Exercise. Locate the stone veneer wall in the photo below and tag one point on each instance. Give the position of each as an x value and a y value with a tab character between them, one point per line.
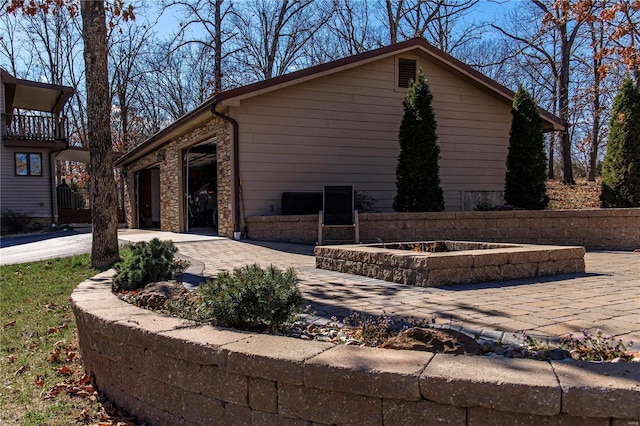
165	372
171	179
612	229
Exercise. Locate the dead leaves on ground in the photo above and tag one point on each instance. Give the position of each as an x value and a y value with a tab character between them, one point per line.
582	195
82	387
58	349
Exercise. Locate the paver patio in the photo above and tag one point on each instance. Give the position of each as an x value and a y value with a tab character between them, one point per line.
606	296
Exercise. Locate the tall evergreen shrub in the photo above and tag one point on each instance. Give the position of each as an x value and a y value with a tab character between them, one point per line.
417	172
526	161
621	168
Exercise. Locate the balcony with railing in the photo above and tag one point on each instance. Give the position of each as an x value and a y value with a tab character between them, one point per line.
34	131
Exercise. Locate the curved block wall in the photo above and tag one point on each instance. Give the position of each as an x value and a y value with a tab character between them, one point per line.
166	372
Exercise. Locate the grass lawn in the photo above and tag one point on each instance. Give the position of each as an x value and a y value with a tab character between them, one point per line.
43	381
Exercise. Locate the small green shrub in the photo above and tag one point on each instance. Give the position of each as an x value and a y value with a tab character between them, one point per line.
250	297
621	168
147	263
14	222
364	203
484	207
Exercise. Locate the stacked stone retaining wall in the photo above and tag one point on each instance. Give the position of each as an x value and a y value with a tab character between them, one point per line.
595	229
165	372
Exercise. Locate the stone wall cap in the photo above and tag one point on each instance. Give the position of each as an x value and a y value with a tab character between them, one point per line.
272	357
385	373
519	385
599	389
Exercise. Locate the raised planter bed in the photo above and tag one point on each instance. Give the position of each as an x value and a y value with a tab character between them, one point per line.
166	372
440	263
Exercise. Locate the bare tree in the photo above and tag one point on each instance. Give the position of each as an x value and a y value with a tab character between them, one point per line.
207	19
128	64
443	30
10	45
273	33
432	19
563	26
352	28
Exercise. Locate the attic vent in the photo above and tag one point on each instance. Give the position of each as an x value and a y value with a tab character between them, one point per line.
406	72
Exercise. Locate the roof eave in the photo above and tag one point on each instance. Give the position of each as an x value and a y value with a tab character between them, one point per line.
165	135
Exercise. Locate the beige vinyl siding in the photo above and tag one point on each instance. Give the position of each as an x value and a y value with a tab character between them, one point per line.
343	129
24	193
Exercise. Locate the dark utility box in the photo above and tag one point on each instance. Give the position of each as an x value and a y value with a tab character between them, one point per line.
298	203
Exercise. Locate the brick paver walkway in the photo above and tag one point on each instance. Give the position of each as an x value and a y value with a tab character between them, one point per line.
607	296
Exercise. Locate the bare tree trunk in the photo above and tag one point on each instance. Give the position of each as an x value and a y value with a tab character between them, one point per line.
218	47
103	187
567	166
595	128
394	20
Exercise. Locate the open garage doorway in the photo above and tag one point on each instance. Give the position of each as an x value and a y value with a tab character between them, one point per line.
201	174
148	183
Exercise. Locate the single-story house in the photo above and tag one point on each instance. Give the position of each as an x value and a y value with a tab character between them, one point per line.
235	155
33	130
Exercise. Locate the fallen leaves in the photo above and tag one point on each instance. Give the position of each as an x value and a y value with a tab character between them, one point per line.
582	195
23	369
64	370
58	348
39	380
82	388
10	324
53	357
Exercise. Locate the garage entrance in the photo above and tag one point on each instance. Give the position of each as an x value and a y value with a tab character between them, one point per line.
201	196
148	202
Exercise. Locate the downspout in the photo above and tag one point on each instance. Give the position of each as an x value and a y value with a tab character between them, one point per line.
236	163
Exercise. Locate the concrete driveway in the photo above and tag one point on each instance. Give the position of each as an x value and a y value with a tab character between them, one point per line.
32	248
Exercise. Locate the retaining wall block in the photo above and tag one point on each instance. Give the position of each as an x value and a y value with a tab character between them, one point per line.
592	389
484	416
396	412
203	410
222	385
486	273
519	255
237	415
144	412
440	277
263	395
520	270
329	407
272	357
384	373
450	260
199	345
267	419
489	257
568	266
563	253
518	385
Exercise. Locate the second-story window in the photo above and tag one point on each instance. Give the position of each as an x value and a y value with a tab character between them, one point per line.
28	164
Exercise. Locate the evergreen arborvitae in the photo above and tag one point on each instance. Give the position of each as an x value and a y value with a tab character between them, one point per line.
417	173
525	185
621	168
